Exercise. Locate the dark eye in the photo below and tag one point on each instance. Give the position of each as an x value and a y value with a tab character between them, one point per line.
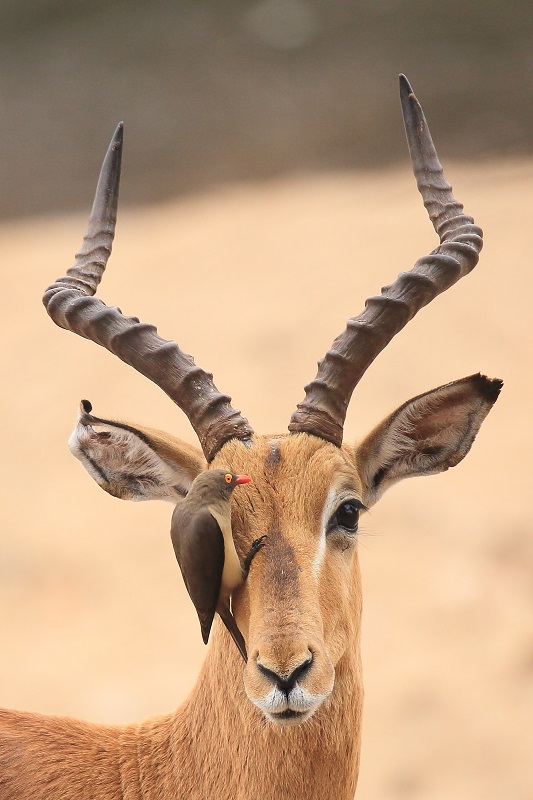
347	516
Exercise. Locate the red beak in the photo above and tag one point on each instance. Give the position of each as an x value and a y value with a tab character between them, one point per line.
242	479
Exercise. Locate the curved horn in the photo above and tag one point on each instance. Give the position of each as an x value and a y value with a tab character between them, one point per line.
323	410
70	303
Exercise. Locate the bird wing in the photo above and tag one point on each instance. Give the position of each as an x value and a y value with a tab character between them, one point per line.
199	547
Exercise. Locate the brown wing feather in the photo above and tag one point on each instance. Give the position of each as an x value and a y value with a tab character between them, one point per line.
199	548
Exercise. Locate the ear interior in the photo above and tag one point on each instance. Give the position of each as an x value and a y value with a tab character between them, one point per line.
428	434
134	463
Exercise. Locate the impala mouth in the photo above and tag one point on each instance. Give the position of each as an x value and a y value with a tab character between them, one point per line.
290	717
293	709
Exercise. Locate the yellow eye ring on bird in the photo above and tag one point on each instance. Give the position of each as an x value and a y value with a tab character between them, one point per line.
228	477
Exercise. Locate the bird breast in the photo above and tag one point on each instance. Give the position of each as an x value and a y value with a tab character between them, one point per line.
232	572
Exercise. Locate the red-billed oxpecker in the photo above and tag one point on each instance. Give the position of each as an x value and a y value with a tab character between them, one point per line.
205	550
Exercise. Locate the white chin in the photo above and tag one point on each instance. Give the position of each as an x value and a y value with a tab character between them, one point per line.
291	710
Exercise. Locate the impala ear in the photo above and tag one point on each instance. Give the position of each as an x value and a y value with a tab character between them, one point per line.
134	463
428	434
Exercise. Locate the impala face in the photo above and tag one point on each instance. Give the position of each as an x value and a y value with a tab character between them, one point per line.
301	601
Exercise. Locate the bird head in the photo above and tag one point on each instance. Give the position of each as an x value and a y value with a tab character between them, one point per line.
218	482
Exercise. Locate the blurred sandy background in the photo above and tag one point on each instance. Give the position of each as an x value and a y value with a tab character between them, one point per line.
255	273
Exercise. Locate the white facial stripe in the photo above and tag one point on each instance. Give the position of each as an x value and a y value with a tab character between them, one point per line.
329	508
334	499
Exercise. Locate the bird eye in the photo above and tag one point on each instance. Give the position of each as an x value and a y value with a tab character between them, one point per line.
228	477
347	516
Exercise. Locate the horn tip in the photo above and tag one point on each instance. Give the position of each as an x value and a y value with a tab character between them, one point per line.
405	86
118	136
411	108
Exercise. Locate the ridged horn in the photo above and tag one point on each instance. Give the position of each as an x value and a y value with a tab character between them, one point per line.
323	410
70	303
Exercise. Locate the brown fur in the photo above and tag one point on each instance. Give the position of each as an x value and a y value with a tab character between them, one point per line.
302	596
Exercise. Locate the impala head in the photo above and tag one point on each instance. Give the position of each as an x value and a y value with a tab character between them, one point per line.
299	610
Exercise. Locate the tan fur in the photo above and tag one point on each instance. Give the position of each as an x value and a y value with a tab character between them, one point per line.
222	743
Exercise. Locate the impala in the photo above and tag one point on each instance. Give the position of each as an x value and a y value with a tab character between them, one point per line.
286	723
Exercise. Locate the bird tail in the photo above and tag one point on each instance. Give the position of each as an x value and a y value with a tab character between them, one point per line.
229	621
206	621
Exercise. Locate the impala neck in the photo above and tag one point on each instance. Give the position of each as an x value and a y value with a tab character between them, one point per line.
221	745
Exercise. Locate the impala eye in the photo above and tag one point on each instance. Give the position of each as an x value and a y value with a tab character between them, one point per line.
347	516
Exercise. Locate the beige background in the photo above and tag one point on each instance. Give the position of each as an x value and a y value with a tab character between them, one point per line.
256	281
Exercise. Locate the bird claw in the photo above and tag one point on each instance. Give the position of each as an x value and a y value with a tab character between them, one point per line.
256	546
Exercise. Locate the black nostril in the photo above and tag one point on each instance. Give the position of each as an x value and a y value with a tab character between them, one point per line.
286	683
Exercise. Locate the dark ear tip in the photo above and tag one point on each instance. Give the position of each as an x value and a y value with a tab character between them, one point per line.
488	388
86	406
